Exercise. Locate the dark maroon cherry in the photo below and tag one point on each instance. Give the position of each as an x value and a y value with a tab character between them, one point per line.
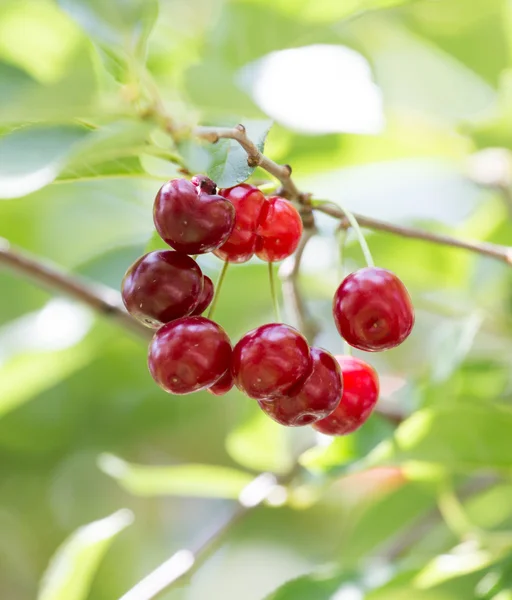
190	220
222	386
188	355
312	400
373	310
162	286
205	297
360	394
270	360
279	230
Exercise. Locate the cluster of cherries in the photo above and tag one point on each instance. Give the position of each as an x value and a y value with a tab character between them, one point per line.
293	383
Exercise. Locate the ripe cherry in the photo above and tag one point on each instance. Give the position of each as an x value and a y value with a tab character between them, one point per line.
248	202
270	360
360	394
188	355
222	386
312	400
162	286
191	220
279	230
205	298
373	310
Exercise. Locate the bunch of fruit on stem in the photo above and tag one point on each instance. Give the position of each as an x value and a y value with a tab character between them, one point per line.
293	383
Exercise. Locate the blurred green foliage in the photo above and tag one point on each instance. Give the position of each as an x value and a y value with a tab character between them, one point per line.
84	432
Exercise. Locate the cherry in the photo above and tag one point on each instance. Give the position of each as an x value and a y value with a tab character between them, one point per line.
248	202
270	360
204	184
188	355
279	231
373	310
313	399
224	384
162	286
205	297
191	220
360	394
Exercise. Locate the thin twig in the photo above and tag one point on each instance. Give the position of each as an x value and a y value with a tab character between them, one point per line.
254	157
503	253
292	297
102	299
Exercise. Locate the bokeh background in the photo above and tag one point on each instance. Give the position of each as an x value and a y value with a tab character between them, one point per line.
400	109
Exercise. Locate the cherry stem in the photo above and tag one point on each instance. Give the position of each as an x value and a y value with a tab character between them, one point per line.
360	235
347	348
218	287
273	294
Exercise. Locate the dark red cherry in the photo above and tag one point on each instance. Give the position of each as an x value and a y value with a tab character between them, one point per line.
190	220
205	184
188	355
373	310
279	230
270	360
314	399
222	386
205	298
162	286
360	394
248	202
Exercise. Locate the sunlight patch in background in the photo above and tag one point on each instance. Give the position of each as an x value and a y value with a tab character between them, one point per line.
316	89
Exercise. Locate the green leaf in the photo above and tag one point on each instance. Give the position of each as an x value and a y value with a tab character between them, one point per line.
32	157
229	165
457	436
309	587
71	571
209	481
123	24
260	444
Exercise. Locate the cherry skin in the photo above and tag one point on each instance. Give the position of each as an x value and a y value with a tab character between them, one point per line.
248	202
162	286
373	310
314	399
204	184
190	220
279	231
205	298
270	360
225	383
360	394
188	355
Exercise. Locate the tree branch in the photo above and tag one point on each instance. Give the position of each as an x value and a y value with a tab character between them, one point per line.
503	253
102	299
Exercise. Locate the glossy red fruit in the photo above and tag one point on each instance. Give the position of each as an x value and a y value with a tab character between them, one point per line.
270	360
162	286
248	202
373	310
279	231
190	220
222	386
205	298
314	399
360	394
188	355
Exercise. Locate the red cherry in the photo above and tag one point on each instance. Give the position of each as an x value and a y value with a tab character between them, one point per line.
279	230
314	399
222	386
269	360
190	220
360	394
205	184
373	310
188	355
162	286
205	297
248	202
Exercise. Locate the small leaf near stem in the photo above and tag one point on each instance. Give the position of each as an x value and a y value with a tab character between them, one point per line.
273	294
355	226
218	287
